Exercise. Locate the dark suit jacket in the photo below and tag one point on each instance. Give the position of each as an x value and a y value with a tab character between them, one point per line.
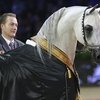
24	76
4	46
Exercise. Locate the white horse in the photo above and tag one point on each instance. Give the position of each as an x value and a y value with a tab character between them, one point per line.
29	73
68	25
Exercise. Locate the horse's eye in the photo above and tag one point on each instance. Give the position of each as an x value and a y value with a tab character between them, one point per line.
88	30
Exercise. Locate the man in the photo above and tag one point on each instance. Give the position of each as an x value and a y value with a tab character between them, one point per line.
8	25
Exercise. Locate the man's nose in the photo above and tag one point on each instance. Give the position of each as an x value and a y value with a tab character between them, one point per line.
15	27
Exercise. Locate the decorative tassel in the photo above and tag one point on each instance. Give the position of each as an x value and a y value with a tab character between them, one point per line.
78	97
69	73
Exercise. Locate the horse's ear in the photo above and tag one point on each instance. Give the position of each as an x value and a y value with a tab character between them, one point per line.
92	9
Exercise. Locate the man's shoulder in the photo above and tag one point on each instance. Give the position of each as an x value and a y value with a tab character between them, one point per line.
1	42
19	42
1	38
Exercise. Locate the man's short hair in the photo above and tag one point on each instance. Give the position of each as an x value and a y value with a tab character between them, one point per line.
4	17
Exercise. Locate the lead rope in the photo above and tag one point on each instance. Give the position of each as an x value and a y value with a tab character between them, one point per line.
78	97
68	76
66	85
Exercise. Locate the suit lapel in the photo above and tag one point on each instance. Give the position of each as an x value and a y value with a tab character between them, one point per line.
4	44
16	43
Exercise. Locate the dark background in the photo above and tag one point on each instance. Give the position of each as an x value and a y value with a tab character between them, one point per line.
31	14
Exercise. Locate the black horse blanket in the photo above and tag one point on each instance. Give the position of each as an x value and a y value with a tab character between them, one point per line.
24	76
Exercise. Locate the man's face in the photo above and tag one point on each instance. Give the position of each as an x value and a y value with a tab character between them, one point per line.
9	28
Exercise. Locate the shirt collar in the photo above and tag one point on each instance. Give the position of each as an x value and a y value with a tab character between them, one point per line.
8	41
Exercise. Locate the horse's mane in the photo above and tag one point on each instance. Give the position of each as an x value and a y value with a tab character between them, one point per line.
47	30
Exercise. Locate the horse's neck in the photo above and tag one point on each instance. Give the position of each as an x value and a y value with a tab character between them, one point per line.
66	38
59	29
67	43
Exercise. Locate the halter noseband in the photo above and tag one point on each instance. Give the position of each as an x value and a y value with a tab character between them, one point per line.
83	30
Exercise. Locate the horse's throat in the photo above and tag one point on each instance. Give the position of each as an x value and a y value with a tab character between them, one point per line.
68	48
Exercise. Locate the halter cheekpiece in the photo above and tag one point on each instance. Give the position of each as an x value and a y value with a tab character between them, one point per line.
83	30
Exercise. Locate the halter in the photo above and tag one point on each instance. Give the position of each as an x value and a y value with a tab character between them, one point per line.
84	36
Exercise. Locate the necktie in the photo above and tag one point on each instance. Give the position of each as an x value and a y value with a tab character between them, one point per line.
11	45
